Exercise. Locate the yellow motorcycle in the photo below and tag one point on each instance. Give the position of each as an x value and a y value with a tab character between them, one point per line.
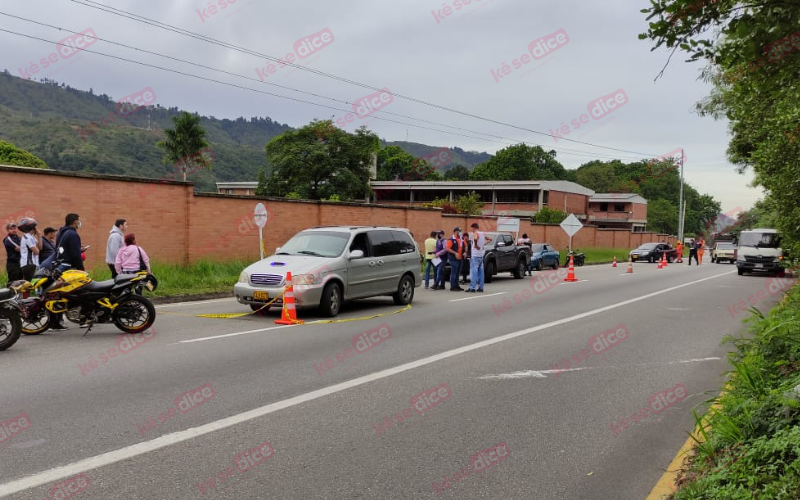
87	302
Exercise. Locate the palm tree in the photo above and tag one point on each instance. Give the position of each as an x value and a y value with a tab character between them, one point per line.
183	141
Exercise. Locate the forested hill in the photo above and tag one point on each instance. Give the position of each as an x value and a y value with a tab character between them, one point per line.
46	118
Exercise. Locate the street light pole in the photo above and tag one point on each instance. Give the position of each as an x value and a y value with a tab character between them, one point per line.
680	204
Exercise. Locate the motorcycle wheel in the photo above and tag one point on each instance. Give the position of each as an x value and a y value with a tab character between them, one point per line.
36	324
10	328
135	315
579	263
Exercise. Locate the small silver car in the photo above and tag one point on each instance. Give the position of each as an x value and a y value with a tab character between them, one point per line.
336	263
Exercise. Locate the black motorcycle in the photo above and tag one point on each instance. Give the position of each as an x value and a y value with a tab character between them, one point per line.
580	258
10	317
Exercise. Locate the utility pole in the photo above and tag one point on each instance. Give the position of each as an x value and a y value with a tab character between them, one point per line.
681	207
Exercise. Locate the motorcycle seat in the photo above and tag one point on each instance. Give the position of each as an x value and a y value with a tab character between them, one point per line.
6	293
100	286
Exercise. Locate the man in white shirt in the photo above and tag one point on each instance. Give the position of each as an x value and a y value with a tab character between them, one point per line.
479	241
29	249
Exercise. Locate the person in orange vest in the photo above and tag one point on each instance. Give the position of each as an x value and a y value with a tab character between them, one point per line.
701	248
455	249
680	252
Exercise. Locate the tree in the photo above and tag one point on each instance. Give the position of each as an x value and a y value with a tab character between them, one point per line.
317	166
548	216
662	216
750	49
12	155
598	176
457	173
520	163
184	143
394	163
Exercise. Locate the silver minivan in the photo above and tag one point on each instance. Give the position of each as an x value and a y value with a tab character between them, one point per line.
336	263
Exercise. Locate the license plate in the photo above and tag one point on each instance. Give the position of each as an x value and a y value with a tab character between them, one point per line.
633	257
759	265
261	295
149	286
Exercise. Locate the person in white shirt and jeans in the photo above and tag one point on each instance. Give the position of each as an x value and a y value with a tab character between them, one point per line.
29	248
479	241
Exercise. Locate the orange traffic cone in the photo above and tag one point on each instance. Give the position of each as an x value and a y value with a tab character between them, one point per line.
615	262
571	274
659	263
664	259
288	314
630	266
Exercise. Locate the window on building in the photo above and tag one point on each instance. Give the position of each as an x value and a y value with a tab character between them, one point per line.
604	207
229	191
546	198
619	207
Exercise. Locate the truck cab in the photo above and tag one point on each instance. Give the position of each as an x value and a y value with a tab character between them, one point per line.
759	250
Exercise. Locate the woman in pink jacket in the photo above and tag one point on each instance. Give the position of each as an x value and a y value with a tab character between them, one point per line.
128	258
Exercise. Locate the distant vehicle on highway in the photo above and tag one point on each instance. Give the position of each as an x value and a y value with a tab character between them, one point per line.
544	255
723	251
759	251
651	252
332	264
502	255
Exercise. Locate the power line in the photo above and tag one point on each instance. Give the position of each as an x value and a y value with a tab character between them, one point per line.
504	141
181	31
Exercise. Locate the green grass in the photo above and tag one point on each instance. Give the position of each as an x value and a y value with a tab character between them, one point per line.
200	277
601	254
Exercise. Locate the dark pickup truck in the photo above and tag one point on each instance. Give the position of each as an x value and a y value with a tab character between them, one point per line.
502	255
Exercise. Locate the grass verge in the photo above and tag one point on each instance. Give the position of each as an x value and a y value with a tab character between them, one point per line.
602	254
751	449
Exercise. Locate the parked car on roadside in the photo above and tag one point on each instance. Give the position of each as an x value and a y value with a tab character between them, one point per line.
502	255
544	255
724	251
330	265
651	252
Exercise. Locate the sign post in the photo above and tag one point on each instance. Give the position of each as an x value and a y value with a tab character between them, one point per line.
571	225
260	218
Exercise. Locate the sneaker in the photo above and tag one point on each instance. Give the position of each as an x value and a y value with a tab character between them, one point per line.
457	289
480	290
469	290
58	328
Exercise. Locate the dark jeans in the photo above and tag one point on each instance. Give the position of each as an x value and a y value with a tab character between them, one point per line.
28	272
113	270
429	269
464	269
14	272
693	253
438	275
455	266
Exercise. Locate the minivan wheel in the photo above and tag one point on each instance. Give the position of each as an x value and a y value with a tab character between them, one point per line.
405	291
331	300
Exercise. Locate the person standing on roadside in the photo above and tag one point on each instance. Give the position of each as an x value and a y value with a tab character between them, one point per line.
467	256
700	250
680	253
693	252
69	239
479	241
12	243
30	246
455	249
430	251
116	240
48	244
440	253
132	258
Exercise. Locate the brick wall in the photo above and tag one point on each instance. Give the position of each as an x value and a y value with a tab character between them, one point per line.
175	225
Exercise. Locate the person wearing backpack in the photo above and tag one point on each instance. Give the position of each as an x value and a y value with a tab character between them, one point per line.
132	258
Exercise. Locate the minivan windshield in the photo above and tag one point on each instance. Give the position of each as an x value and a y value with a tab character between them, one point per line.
316	243
759	240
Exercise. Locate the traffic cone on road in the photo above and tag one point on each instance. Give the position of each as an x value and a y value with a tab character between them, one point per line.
659	264
664	259
630	266
571	274
615	262
288	314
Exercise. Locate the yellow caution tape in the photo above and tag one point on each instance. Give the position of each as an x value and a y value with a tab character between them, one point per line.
237	315
406	308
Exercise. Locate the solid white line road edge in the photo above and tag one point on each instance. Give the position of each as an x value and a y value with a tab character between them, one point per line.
112	457
478	296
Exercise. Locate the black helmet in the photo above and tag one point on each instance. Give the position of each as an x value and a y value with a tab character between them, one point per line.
26	224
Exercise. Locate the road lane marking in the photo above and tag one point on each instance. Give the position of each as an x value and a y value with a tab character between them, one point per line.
479	296
126	453
570	282
233	334
545	373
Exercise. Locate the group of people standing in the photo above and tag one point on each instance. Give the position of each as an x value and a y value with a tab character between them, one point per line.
696	250
27	250
463	252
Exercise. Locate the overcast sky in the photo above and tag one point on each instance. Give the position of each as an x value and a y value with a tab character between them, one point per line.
411	48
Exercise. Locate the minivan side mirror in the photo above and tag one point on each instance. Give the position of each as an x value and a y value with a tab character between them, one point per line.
356	254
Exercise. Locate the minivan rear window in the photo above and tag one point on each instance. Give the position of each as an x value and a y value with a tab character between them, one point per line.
383	244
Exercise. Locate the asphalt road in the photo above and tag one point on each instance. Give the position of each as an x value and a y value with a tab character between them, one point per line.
471	372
